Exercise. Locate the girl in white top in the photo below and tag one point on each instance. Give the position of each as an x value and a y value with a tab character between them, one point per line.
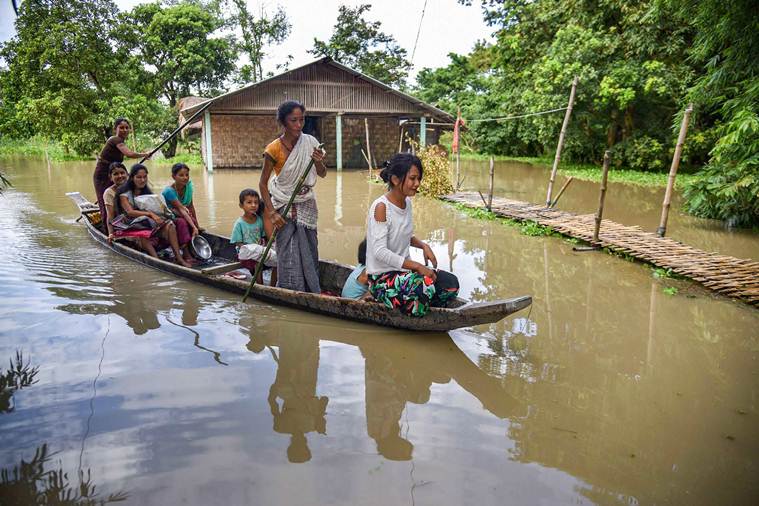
394	278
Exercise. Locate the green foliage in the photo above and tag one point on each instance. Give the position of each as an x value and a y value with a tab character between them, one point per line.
36	146
74	66
361	45
61	71
257	33
639	64
629	61
670	290
726	44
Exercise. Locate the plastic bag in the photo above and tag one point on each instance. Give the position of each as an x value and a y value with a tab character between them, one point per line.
153	203
255	252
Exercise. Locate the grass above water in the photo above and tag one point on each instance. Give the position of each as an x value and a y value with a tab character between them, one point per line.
534	229
42	148
590	172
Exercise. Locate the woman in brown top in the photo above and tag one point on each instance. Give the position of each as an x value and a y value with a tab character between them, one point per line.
115	150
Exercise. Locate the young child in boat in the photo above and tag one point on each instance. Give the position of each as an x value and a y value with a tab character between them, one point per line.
357	284
394	278
250	232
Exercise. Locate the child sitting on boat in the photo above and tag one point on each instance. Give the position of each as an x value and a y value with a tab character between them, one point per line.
249	233
159	230
178	197
357	284
394	278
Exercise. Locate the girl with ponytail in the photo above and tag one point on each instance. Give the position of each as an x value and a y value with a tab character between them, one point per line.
394	278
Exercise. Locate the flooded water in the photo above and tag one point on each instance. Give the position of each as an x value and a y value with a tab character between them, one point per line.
607	391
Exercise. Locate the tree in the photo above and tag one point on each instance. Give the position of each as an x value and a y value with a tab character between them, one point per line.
62	66
361	45
726	47
181	45
257	33
630	61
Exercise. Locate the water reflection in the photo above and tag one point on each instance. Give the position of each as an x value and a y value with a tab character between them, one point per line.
398	369
20	375
34	482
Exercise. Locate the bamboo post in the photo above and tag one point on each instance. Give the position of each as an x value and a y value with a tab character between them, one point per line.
673	172
490	187
458	151
600	212
563	132
561	191
368	149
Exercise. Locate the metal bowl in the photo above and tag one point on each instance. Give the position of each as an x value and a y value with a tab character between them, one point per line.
200	248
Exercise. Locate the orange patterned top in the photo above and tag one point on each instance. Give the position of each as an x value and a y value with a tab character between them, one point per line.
277	153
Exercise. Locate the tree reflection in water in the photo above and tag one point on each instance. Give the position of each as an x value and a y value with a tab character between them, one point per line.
19	375
30	483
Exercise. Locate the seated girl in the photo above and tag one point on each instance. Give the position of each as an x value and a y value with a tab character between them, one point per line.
176	235
357	284
178	197
249	235
395	279
118	174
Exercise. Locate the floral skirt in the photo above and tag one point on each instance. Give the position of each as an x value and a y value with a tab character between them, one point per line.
409	292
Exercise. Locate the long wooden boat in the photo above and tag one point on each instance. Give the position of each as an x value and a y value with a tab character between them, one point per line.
332	275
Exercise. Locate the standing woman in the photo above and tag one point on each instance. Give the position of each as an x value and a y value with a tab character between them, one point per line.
115	150
394	278
287	156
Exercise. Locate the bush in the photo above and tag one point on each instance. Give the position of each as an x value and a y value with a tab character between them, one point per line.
641	153
437	173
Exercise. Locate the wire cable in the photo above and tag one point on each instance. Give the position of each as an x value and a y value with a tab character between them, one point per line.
418	31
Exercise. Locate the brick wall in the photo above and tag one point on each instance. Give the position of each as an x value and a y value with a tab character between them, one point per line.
239	140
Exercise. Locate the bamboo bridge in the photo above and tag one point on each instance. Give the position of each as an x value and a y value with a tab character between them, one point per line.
730	276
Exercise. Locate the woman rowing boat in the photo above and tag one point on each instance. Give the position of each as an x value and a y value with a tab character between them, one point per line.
115	150
297	242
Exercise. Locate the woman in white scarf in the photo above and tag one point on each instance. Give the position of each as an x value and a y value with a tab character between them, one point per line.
287	157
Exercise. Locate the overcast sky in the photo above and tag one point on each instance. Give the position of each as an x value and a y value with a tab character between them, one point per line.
446	26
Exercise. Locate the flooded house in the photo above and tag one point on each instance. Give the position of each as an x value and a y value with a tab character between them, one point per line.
345	109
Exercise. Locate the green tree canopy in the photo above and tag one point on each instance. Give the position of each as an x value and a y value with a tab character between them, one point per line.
257	33
361	45
181	50
62	67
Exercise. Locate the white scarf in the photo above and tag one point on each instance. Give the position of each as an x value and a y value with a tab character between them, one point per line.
281	186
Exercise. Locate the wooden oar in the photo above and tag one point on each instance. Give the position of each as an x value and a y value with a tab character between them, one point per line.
179	129
260	265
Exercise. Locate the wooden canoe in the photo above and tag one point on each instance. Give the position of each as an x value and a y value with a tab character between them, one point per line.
459	313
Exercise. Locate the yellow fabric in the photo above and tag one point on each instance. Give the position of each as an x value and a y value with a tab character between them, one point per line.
278	153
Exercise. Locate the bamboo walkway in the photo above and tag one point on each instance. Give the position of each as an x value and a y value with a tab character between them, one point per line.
730	276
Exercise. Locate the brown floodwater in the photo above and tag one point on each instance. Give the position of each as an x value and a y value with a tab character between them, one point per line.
607	391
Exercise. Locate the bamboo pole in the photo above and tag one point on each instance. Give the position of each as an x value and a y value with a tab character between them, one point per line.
673	172
563	132
458	151
368	149
600	212
490	187
179	129
561	191
260	265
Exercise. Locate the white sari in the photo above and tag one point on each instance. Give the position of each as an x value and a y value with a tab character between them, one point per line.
282	185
